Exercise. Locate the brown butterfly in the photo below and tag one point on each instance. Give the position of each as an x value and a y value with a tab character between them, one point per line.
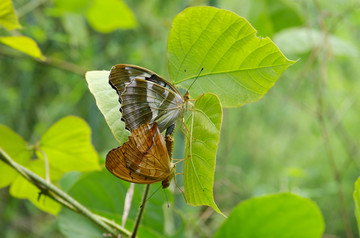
144	158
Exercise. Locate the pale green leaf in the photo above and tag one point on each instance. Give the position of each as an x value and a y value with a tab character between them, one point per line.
8	18
15	146
356	197
67	146
203	127
106	16
23	44
23	189
238	66
274	216
304	40
107	101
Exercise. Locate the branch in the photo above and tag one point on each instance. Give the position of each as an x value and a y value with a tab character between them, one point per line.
63	198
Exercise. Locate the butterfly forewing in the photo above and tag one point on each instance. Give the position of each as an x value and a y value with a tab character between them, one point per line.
144	101
145	97
143	159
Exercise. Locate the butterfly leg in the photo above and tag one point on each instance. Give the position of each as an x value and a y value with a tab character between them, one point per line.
179	188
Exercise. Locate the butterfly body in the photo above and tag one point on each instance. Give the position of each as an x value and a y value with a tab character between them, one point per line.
146	97
143	159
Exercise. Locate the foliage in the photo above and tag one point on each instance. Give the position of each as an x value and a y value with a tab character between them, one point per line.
302	138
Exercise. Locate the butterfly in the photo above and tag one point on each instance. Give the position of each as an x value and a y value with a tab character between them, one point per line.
144	158
145	97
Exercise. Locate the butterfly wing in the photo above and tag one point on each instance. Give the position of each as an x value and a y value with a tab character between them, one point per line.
145	97
143	159
147	102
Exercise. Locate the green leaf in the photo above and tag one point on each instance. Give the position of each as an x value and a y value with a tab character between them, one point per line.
23	44
15	146
304	40
356	197
203	127
104	194
280	215
23	189
8	18
107	101
67	146
106	16
238	66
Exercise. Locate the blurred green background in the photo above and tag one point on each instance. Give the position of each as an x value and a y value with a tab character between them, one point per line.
302	137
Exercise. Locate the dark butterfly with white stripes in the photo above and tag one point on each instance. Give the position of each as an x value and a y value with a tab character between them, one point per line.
145	97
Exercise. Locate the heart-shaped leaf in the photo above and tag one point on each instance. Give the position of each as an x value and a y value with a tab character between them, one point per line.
238	66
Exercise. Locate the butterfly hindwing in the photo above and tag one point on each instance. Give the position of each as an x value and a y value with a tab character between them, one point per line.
143	159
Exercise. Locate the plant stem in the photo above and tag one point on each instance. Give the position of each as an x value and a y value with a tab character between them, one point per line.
63	198
142	206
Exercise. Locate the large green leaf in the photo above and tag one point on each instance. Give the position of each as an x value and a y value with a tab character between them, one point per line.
107	101
67	146
104	194
23	44
238	66
108	15
15	146
356	196
278	216
8	18
23	189
203	125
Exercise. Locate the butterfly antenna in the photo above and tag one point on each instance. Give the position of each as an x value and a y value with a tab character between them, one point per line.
195	79
153	194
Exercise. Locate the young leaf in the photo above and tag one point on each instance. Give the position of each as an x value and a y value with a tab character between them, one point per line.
356	196
238	66
67	146
15	146
280	215
107	101
23	44
8	18
203	127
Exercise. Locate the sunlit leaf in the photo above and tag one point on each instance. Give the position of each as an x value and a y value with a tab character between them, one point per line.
23	44
238	66
280	215
104	194
15	146
204	126
108	15
23	189
107	101
356	196
67	146
304	40
8	18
